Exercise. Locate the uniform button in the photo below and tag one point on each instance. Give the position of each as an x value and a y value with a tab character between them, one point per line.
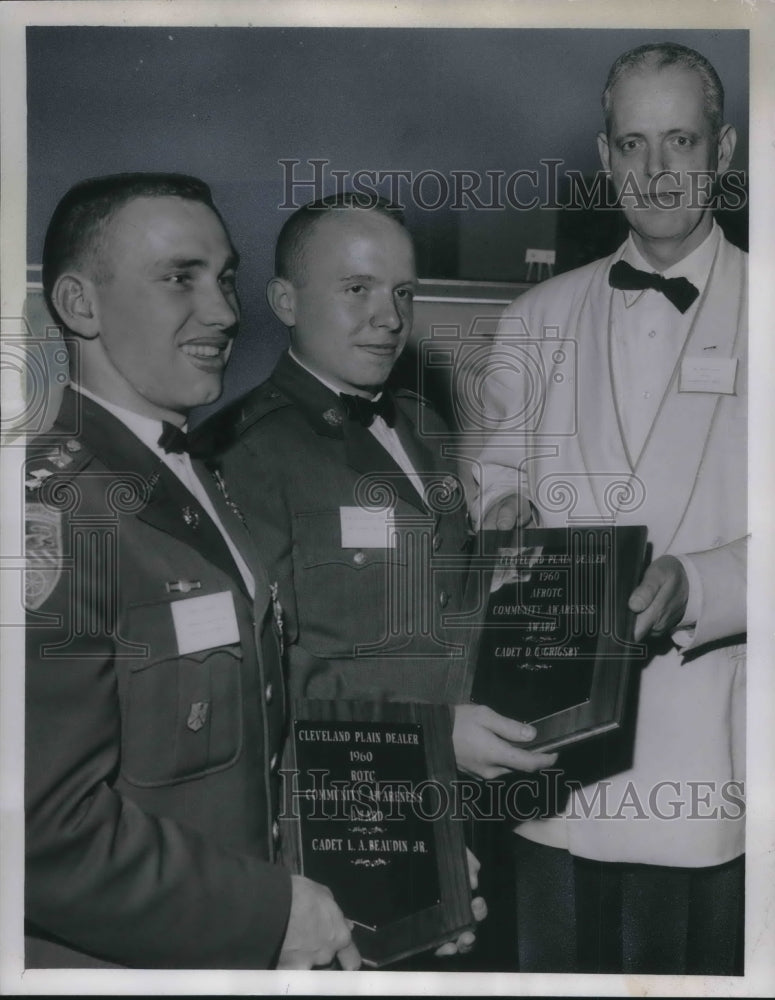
273	762
73	446
275	831
274	395
652	333
436	543
443	598
646	395
359	558
268	692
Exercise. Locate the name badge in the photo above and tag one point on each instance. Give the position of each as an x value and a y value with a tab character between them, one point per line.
708	375
204	622
367	529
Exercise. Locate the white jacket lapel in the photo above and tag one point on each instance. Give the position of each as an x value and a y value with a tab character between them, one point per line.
604	453
676	445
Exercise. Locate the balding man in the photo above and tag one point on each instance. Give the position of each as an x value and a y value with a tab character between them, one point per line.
642	870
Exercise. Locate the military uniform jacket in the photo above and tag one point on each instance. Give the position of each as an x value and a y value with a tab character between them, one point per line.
372	614
150	747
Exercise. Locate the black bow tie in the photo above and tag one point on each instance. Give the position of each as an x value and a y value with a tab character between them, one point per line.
680	291
206	441
364	410
173	439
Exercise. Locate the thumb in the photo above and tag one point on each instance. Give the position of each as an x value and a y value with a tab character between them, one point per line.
506	515
645	592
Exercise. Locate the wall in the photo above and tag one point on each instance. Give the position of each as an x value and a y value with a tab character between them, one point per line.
229	104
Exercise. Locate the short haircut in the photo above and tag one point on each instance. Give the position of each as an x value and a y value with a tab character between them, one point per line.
295	234
76	234
657	56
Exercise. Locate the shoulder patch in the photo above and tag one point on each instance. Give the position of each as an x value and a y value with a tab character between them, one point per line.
43	553
68	456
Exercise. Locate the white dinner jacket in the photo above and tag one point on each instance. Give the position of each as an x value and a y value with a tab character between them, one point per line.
689	487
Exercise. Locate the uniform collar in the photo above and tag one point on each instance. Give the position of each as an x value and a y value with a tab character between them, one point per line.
147	429
324	381
318	401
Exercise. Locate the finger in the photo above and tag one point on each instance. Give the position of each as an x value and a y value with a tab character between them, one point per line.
643	595
323	957
342	936
506	517
479	908
502	515
529	760
509	729
295	960
338	941
465	942
646	621
473	870
505	758
349	957
446	950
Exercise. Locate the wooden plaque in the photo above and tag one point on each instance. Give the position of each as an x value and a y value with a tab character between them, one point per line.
555	643
369	812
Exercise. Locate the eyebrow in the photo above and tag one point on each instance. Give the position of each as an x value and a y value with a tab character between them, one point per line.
370	277
188	263
634	134
357	277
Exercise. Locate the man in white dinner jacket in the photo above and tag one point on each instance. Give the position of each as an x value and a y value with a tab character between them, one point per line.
636	414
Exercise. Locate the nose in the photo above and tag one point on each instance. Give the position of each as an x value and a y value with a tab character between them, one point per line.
655	160
386	314
218	307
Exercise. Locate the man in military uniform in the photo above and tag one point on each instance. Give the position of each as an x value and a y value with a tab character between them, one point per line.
155	704
363	519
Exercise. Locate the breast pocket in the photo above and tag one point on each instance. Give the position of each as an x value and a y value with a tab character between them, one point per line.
349	597
182	715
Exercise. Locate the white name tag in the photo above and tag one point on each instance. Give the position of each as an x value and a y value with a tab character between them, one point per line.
203	622
708	375
367	529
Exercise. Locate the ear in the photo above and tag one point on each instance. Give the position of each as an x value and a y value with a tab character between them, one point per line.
280	295
75	301
727	140
604	151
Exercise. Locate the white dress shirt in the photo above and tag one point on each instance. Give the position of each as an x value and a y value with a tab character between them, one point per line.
648	335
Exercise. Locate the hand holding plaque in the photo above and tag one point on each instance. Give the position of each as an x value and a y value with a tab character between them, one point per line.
317	933
660	598
488	744
368	813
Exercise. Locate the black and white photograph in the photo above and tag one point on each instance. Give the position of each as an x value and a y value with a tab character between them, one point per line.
385	498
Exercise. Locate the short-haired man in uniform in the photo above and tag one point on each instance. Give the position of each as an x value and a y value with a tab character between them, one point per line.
363	518
327	456
642	870
155	705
